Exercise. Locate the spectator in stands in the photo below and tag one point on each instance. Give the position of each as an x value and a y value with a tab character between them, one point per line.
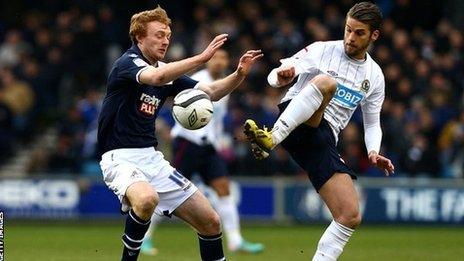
67	158
12	49
19	97
451	145
6	131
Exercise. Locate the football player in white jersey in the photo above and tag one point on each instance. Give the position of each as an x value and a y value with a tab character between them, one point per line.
334	77
208	164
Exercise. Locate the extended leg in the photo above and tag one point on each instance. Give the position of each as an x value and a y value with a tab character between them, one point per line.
341	198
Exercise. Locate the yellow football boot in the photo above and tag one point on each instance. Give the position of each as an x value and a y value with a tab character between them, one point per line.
260	139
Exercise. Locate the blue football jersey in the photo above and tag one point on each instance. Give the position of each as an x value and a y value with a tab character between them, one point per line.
127	118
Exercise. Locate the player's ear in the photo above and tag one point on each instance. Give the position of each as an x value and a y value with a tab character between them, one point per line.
375	35
138	38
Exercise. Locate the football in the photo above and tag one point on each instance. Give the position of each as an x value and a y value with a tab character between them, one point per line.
192	109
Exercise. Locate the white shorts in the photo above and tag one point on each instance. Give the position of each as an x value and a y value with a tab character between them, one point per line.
123	167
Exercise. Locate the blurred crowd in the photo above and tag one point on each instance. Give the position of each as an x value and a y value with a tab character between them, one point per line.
54	60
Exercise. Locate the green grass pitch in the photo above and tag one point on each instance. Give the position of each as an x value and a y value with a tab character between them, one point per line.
177	242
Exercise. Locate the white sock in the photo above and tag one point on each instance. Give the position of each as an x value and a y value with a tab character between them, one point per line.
155	220
227	210
299	110
333	240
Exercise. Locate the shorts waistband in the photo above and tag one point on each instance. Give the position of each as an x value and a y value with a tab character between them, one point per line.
127	151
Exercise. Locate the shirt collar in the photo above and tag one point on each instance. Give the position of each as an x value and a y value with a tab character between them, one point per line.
356	61
135	49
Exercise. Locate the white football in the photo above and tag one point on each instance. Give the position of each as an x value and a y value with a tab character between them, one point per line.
192	109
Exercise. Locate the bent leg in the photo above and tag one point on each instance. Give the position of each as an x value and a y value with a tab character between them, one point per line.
327	86
143	199
197	212
341	198
313	98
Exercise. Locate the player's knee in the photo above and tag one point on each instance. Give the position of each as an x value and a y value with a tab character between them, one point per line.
146	203
355	220
212	224
215	224
223	191
222	188
351	219
326	85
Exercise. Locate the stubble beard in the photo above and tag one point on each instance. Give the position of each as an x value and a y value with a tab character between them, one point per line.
357	50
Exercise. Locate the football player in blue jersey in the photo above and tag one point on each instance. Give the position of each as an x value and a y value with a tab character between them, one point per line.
206	143
133	169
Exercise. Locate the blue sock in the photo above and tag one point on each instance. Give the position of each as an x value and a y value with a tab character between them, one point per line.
133	236
211	247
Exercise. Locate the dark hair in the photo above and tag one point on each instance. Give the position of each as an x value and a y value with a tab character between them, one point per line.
368	13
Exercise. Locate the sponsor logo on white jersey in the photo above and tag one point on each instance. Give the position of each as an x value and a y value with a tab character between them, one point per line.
347	97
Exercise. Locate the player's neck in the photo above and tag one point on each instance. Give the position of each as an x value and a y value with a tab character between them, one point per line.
360	57
153	62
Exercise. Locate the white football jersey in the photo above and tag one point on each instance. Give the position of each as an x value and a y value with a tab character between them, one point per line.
358	82
214	130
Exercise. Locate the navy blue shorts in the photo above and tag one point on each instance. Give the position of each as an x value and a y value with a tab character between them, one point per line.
191	158
315	150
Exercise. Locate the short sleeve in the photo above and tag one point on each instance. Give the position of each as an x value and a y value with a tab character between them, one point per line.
182	83
306	59
130	67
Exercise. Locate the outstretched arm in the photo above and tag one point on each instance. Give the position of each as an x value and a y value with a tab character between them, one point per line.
220	88
158	76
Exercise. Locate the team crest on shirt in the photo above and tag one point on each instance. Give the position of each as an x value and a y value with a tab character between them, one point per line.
365	85
149	104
